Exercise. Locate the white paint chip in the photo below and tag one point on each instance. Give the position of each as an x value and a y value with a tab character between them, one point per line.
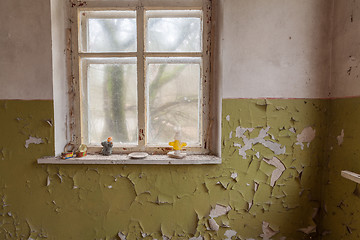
292	130
196	238
234	175
61	179
340	138
229	234
228	118
250	205
306	136
280	168
48	181
121	236
256	186
248	143
213	225
219	210
267	231
33	140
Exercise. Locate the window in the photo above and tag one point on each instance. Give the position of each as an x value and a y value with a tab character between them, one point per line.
141	71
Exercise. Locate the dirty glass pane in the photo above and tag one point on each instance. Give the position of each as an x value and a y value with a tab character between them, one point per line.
173	98
109	99
108	31
173	31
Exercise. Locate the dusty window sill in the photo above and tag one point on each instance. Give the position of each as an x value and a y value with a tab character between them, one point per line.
125	159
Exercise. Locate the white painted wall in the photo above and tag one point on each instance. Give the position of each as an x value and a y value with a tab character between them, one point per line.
275	48
345	80
25	49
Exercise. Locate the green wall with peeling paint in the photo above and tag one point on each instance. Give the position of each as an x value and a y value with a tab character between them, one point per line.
341	196
144	201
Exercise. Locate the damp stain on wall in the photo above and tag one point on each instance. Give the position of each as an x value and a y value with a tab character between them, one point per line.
268	186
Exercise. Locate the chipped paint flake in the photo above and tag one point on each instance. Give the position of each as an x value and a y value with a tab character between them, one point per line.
219	210
234	175
121	236
250	205
267	231
213	225
60	177
280	168
340	138
228	118
229	234
33	140
308	230
256	186
306	136
196	238
249	143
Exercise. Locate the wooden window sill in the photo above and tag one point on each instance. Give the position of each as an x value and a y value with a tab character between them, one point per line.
125	159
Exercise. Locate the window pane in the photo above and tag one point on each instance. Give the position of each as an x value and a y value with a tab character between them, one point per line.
109	100
173	97
173	31
108	31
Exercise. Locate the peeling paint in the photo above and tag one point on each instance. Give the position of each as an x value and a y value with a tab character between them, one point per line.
33	140
231	200
280	168
229	234
249	143
267	231
306	136
213	225
219	210
340	138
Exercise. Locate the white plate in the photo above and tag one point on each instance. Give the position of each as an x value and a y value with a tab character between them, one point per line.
176	155
138	155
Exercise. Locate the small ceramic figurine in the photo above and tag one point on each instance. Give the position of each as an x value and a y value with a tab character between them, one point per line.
107	147
177	145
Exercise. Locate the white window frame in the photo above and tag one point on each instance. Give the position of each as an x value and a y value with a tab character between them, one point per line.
207	131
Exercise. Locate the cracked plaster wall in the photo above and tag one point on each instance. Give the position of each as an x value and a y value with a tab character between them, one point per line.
239	198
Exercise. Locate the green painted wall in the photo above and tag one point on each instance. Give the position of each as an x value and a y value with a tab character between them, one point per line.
342	196
272	191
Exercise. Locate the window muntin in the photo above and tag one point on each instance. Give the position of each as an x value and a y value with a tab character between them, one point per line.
146	59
